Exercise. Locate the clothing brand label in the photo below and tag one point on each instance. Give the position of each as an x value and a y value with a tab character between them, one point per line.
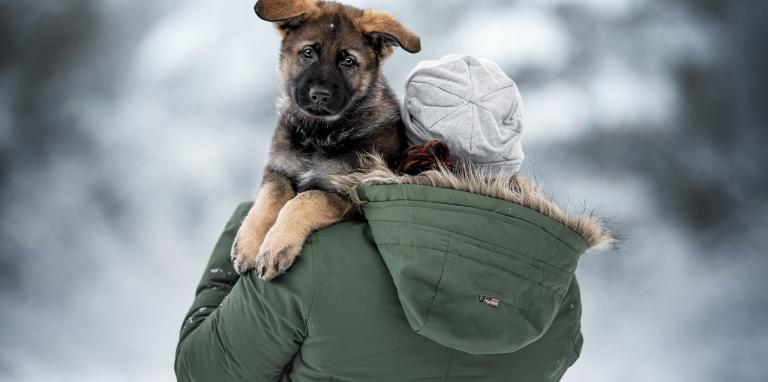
490	301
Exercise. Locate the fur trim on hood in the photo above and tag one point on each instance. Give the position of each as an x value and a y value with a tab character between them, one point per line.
517	189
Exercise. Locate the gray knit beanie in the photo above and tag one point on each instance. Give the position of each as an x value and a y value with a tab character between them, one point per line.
470	104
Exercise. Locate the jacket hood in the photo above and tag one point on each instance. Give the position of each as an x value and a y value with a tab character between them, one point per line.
480	265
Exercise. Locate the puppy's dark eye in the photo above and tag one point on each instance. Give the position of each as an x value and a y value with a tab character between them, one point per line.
348	61
308	52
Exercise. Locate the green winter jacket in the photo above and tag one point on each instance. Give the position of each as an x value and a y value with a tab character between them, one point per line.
433	284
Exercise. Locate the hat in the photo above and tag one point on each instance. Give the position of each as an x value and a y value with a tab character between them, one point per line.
470	104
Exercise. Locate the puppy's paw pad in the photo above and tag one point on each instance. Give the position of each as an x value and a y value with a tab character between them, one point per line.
243	263
271	263
243	255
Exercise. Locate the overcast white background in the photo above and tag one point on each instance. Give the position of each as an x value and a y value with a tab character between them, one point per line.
129	131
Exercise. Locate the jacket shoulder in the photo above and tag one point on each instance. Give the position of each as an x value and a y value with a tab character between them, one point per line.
339	243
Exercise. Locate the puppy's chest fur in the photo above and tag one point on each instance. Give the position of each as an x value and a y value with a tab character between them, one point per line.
311	169
309	155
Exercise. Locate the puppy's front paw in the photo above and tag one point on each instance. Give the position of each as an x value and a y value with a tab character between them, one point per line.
277	253
273	262
245	250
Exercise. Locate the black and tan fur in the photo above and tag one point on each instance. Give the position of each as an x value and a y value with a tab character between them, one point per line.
332	108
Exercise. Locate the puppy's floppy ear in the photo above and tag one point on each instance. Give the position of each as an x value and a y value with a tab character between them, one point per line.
385	32
286	14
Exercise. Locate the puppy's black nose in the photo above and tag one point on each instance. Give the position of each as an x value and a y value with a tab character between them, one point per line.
319	95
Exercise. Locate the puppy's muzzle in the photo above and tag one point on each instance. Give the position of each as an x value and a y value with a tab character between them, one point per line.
319	95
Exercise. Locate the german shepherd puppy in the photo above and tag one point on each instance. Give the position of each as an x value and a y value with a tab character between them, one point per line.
334	105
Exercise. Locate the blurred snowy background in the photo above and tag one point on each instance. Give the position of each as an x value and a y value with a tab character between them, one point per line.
129	130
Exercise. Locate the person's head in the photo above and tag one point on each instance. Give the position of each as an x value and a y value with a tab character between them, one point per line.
469	104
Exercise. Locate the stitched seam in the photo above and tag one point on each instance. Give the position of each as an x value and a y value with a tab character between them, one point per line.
451	93
501	251
469	73
507	270
319	286
472	129
451	356
472	89
473	211
496	250
316	280
437	286
481	262
458	108
495	91
456	126
493	247
446	91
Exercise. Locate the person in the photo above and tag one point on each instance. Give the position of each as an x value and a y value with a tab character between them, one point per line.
458	269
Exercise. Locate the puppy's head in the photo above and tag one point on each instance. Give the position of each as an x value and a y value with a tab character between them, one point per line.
331	53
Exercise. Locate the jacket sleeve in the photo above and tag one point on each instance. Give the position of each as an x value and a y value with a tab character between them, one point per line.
244	328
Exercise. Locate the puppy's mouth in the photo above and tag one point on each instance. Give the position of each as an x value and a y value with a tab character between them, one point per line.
319	111
322	113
